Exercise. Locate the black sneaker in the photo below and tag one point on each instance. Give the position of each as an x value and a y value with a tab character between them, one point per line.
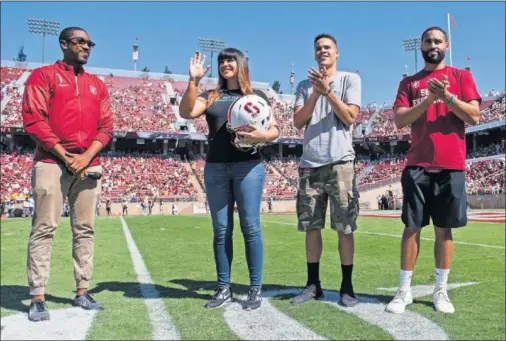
254	300
38	311
87	302
221	296
310	292
348	299
347	296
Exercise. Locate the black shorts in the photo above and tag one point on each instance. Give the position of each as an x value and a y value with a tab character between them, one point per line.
437	196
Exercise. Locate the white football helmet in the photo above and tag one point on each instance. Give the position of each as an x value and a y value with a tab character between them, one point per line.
246	110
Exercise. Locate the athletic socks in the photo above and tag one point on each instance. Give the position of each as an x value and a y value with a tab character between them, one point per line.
313	273
442	278
405	282
346	283
313	277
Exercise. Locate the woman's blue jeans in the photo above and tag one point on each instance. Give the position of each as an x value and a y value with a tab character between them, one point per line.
243	183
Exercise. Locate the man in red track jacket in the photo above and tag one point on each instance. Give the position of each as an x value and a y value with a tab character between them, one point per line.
68	113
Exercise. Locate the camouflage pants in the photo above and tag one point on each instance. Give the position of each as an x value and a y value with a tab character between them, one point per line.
317	186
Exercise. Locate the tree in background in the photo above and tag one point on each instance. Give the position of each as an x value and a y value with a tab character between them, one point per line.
276	86
21	55
145	73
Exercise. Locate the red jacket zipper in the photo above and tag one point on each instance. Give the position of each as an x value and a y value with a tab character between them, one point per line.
80	116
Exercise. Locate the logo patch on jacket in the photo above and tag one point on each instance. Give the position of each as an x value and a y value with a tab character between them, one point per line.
61	82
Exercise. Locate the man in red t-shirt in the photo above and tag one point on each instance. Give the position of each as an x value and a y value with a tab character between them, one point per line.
436	102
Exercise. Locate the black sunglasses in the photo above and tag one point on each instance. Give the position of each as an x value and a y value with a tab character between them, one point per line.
82	42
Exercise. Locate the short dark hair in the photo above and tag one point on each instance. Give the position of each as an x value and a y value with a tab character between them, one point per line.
325	35
67	32
435	28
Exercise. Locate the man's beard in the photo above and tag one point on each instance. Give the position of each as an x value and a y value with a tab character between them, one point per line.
433	60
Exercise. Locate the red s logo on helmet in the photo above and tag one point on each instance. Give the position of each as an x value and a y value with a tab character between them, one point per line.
252	109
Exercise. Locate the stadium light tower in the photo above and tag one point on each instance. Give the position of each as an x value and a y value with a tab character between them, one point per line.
43	27
211	45
135	55
413	44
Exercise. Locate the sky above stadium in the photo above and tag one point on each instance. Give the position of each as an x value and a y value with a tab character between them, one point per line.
275	34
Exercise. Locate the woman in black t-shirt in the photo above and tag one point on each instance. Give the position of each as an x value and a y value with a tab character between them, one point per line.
230	175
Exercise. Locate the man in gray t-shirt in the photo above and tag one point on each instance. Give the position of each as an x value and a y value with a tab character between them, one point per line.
326	106
326	138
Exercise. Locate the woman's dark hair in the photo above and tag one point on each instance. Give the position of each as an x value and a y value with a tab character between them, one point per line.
242	74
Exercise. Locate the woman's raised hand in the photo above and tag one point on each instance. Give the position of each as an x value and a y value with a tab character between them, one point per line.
197	69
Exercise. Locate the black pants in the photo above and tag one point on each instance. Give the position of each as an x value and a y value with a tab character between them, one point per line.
437	196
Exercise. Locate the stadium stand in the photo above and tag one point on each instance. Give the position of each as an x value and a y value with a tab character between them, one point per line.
9	74
138	176
486	177
135	176
493	110
142	104
145	104
383	125
385	169
139	104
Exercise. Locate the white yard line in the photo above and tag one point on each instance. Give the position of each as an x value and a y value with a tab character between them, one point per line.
265	323
397	236
455	242
407	326
369	309
161	321
65	324
473	217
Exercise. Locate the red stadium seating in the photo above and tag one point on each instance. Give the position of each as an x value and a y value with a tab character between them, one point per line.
9	74
136	176
141	104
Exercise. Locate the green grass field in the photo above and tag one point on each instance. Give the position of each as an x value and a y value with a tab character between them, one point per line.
178	253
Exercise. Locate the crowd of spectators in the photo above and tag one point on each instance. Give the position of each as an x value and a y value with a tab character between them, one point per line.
9	74
383	125
492	111
153	176
388	168
488	150
142	104
15	171
11	115
486	177
136	176
277	184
